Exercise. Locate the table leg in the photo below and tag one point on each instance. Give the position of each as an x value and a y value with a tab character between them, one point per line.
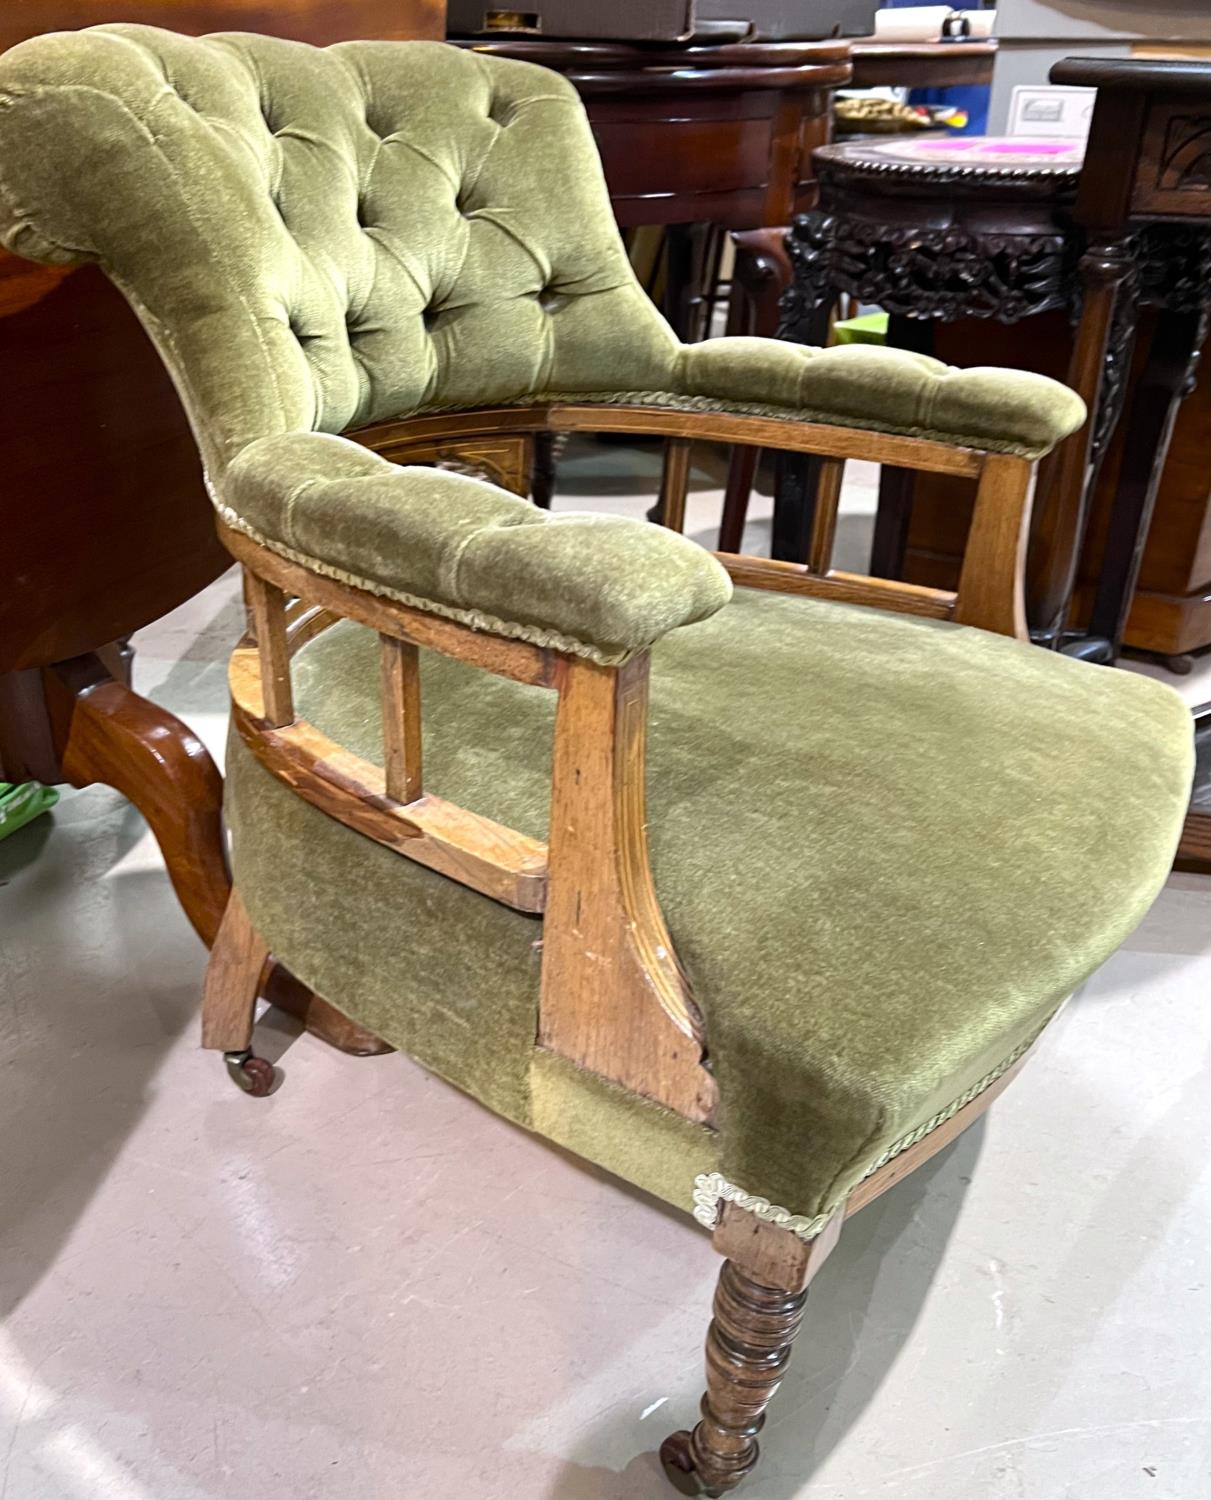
681	291
1167	378
1097	371
796	475
761	276
105	732
893	515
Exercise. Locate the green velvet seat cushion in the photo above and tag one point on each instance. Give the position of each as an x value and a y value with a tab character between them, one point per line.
887	849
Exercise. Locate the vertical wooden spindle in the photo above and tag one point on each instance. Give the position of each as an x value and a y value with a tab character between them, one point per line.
991	594
267	613
674	482
399	665
824	522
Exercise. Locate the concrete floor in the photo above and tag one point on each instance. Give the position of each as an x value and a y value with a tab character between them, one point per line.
366	1286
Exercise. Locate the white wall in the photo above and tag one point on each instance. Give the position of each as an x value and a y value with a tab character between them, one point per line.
1104	20
1034	34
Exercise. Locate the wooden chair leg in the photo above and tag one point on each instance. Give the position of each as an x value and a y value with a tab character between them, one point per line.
322	1020
233	981
105	732
742	471
240	972
758	1310
99	730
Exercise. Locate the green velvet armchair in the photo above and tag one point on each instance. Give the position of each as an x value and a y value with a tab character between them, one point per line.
746	894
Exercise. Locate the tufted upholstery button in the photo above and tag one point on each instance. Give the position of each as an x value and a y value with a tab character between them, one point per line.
429	316
302	337
550	299
375	123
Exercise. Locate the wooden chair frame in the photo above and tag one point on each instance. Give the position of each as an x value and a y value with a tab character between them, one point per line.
614	998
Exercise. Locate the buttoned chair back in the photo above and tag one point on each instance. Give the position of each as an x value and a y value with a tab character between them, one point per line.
317	239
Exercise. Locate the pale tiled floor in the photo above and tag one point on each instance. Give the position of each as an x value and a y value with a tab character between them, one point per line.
366	1286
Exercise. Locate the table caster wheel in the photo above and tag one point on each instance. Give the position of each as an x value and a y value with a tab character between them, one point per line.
253	1074
677	1460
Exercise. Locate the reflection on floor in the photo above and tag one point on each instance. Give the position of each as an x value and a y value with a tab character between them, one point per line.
368	1287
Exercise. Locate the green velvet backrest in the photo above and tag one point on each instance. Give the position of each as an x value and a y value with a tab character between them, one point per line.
320	238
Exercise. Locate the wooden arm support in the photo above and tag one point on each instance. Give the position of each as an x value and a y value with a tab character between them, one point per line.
990	592
614	998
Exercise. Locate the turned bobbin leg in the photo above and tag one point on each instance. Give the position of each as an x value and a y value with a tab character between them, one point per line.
759	1305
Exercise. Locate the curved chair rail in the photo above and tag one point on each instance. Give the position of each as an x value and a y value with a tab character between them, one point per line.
499	440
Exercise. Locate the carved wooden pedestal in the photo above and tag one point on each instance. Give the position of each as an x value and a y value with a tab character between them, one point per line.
993	233
932	231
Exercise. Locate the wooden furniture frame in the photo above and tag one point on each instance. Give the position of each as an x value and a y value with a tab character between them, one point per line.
633	1019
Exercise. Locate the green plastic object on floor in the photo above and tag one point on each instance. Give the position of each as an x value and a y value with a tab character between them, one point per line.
22	802
869	328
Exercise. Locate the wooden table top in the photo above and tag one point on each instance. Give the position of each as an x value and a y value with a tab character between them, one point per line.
921	65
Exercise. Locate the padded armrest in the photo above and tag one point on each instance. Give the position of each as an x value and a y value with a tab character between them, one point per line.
886	390
599	586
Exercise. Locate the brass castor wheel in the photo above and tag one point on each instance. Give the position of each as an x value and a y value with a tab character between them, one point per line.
253	1074
677	1459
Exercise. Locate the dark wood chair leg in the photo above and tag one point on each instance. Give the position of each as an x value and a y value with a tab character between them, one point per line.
762	273
322	1020
747	1352
542	475
894	513
106	733
100	730
233	982
239	974
758	1310
742	471
796	487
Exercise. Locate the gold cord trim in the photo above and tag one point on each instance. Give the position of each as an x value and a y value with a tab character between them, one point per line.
475	619
712	1188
